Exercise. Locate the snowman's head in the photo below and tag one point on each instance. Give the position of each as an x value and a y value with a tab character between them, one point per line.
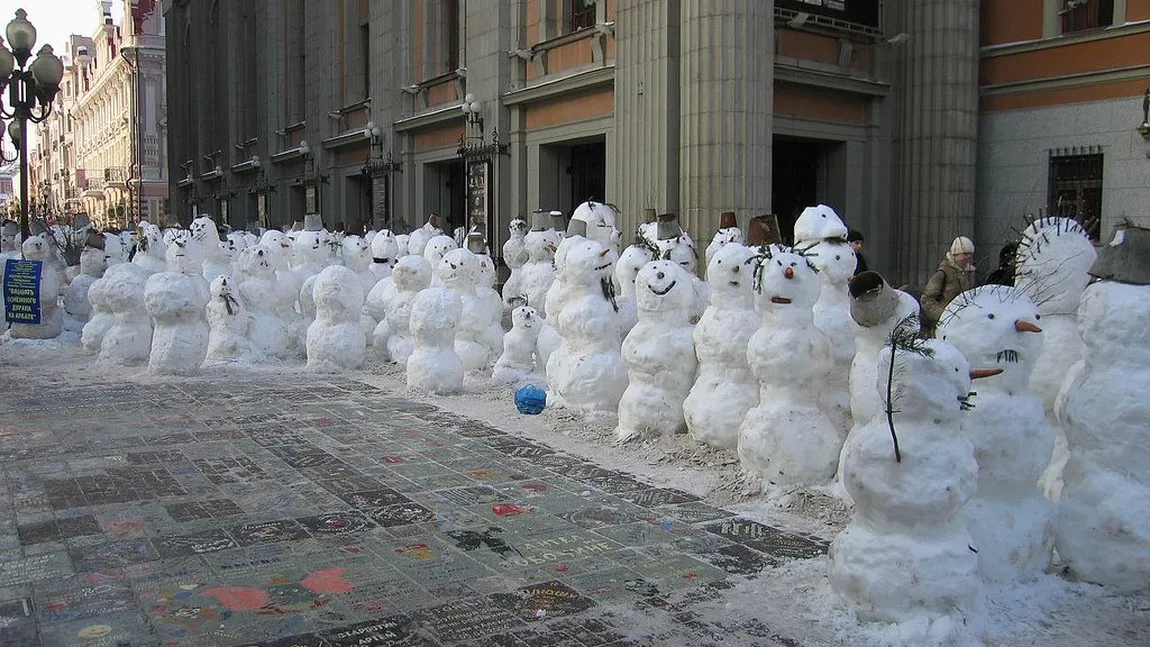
310	247
525	318
680	250
728	235
1053	262
731	272
819	222
37	248
401	241
273	237
435	249
457	268
170	235
227	249
385	248
257	260
541	245
630	262
183	256
356	252
93	262
336	290
786	280
222	286
204	230
995	326
484	270
835	260
518	228
665	287
238	239
152	243
411	273
933	381
588	262
114	248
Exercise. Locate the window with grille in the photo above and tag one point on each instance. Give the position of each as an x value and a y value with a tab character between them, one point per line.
582	14
1076	190
452	26
1082	15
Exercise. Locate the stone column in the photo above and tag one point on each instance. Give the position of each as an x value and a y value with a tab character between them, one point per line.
646	108
727	77
935	133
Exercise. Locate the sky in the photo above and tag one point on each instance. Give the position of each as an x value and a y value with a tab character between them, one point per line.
56	19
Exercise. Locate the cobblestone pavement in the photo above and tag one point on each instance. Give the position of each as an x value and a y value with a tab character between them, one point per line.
301	510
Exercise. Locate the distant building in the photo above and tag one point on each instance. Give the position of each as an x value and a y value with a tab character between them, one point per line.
104	150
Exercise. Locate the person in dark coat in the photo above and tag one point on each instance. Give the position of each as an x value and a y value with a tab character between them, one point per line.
1004	273
855	238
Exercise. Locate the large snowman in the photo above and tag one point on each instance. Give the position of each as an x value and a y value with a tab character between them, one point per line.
435	316
410	275
269	332
41	248
213	259
1053	265
788	439
906	555
660	354
127	341
539	270
1011	522
725	388
177	300
1103	533
336	340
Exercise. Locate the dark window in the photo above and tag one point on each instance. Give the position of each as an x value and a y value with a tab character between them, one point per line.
297	62
588	172
452	27
1081	15
365	58
249	87
1076	189
582	14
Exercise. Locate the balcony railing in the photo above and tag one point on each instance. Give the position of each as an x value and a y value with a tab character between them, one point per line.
95	184
116	174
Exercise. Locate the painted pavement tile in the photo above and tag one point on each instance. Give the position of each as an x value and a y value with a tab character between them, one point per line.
183	546
268	532
738	560
402	514
35	568
348	483
337	523
206	509
298	640
650	497
693	512
553	597
106	631
378	498
467	496
467	619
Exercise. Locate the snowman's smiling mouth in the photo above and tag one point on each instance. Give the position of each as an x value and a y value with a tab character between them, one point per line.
734	283
664	291
780	300
1008	356
602	267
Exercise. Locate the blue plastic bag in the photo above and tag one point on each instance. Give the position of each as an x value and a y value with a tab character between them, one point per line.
530	399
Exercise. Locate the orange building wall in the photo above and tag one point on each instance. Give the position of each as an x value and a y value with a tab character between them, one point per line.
819	48
1137	10
1093	92
569	110
417	40
438	137
1011	21
820	105
442	93
1052	62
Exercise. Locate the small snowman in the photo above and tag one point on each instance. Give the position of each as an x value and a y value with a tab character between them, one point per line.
788	439
357	258
214	260
92	335
410	275
418	239
39	247
229	322
515	256
151	251
92	266
434	251
906	554
725	388
517	363
176	301
456	272
587	373
1011	522
128	340
633	259
9	233
728	233
659	352
269	333
434	366
1103	531
490	303
336	340
539	271
384	254
835	261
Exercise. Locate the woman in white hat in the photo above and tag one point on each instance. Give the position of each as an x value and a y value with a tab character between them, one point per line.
955	275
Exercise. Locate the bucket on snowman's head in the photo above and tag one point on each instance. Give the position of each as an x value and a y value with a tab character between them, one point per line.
873	300
540	220
558	221
10	229
312	222
667	227
435	221
577	228
727	220
1126	259
649	214
476	243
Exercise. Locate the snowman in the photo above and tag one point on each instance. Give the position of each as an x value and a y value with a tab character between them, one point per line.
490	303
633	259
40	248
515	256
1053	264
269	333
1103	533
906	555
357	257
457	272
418	239
788	439
835	261
1011	522
659	352
336	340
517	363
113	249
539	271
176	300
725	388
728	233
587	373
228	321
128	340
92	335
92	266
9	233
401	241
213	258
434	251
393	334
151	251
435	315
384	255
557	296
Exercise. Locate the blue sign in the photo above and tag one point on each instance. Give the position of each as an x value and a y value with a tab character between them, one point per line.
22	291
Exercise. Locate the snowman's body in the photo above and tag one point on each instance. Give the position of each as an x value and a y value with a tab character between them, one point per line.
587	372
788	439
229	322
92	266
418	239
1103	533
539	271
176	301
41	248
214	260
336	339
401	240
103	318
722	238
457	272
128	341
1054	258
517	363
490	307
633	259
515	256
1011	522
393	333
433	253
725	389
434	365
906	553
269	333
660	354
384	255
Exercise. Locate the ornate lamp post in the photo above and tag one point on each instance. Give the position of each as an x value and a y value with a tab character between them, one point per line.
30	92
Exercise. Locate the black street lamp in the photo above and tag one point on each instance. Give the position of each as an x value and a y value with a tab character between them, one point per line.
30	92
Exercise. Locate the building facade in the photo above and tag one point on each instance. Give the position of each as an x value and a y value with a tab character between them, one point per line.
103	151
1063	121
380	113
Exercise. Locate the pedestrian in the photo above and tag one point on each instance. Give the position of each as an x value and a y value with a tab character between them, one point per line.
1004	273
955	275
855	238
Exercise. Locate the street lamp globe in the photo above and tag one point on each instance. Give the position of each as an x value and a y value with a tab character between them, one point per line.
14	132
7	63
48	69
21	35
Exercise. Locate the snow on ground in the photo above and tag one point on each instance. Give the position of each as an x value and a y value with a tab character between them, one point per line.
792	600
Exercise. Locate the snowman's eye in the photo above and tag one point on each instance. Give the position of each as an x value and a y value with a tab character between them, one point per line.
780	263
990	316
838	258
955	368
1037	317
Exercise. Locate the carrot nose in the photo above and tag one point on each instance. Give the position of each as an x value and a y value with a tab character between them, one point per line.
977	373
1025	326
789	272
604	252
